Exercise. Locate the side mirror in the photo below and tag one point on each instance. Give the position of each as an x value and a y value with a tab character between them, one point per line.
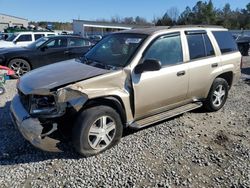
148	65
15	41
43	48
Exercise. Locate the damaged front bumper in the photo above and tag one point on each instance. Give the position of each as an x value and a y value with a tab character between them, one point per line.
31	128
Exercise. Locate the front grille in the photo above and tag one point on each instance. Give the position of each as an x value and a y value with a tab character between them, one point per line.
25	100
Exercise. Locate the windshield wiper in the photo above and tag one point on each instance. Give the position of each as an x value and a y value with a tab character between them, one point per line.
94	62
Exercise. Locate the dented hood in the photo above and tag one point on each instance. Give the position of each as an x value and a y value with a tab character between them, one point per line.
42	80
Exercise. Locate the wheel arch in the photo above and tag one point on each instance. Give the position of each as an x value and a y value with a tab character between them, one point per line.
228	76
111	101
24	58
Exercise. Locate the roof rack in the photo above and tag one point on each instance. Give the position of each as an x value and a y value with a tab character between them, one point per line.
203	26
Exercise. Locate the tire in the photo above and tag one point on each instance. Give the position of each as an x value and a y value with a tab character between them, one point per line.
90	136
2	90
20	66
217	95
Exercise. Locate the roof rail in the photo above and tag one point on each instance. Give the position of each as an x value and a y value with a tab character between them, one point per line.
150	26
204	26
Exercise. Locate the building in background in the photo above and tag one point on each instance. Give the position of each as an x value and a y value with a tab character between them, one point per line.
10	21
87	28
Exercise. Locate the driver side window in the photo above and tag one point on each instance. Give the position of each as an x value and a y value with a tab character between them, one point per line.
24	38
167	49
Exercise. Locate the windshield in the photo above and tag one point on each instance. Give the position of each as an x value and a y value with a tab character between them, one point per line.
11	37
114	50
38	42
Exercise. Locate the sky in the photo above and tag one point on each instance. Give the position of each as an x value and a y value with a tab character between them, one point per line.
67	10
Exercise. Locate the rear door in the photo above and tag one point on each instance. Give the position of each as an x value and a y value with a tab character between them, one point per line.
203	63
157	91
78	47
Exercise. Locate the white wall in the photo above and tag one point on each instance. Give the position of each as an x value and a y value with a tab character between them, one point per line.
6	21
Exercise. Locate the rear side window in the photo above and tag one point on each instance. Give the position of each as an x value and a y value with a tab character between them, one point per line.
57	43
38	36
225	41
75	42
167	49
199	46
24	38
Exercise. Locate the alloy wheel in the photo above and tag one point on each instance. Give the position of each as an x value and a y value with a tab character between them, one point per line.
20	67
101	132
219	95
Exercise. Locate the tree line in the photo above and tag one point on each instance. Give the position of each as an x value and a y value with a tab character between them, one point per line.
206	13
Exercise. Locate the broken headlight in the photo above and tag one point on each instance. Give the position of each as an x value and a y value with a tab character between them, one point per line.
43	105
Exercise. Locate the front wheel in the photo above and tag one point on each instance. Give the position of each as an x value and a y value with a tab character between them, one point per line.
96	130
217	95
20	66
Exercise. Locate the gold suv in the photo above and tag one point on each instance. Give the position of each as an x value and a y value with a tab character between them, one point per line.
131	79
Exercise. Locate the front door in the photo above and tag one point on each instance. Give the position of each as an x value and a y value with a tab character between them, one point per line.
155	91
55	50
23	40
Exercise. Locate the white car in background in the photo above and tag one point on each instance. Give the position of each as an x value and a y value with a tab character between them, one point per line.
22	39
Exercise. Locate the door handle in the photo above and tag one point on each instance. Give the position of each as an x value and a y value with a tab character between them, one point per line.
214	65
66	52
181	73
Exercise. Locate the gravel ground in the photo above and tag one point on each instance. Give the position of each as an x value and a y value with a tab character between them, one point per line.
196	149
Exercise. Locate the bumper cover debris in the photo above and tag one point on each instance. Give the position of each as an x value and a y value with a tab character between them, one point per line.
31	128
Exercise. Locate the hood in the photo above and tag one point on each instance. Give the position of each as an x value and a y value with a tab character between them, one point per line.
42	80
13	49
6	44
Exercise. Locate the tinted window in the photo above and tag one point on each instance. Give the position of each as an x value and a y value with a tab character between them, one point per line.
75	42
166	49
225	41
199	46
24	38
208	45
57	43
38	36
196	46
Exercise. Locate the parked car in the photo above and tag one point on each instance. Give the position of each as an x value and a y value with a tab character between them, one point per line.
133	79
44	51
2	36
243	42
23	39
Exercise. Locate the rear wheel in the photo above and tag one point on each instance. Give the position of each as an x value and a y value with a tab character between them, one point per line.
217	95
20	66
96	130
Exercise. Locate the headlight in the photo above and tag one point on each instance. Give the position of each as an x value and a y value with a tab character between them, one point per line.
43	105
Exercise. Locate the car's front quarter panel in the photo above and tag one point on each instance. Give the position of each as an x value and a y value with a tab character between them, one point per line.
115	84
2	60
